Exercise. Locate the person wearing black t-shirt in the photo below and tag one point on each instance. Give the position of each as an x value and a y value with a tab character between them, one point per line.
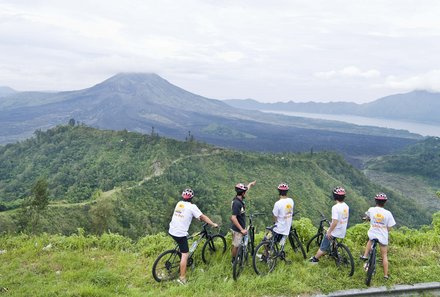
238	217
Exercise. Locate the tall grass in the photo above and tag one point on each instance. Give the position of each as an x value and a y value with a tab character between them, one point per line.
113	265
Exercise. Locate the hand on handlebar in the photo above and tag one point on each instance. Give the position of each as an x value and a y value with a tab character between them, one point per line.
244	231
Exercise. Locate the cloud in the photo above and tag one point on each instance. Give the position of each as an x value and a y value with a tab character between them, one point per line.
347	72
426	81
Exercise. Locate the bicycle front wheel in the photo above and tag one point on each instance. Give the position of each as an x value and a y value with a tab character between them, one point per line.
371	267
213	248
264	259
296	245
167	266
314	243
238	265
344	259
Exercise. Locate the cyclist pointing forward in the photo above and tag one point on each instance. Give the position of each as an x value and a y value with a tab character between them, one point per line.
238	217
183	214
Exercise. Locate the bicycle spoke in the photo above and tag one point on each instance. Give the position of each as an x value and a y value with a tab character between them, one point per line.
344	259
213	248
265	258
167	266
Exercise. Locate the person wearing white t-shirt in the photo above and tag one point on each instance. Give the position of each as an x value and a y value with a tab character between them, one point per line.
381	222
283	213
183	214
338	226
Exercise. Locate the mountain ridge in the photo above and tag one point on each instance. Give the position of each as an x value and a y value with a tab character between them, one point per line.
415	106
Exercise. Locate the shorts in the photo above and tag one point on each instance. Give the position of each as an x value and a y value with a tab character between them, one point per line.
325	244
236	238
277	237
182	242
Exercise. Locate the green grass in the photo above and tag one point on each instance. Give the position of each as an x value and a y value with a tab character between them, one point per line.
112	265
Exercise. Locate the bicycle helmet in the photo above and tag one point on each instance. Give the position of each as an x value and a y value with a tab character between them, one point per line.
339	191
283	187
240	188
187	194
381	197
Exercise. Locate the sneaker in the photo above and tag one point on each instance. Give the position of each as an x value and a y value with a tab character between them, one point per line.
386	277
366	266
313	260
363	258
182	281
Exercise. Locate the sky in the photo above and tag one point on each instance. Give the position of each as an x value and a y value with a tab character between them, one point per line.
270	51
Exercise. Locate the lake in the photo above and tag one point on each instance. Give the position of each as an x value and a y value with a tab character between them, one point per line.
422	129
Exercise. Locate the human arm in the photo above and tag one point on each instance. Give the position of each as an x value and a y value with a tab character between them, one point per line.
333	225
205	219
234	221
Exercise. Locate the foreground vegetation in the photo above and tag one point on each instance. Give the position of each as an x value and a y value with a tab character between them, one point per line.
113	265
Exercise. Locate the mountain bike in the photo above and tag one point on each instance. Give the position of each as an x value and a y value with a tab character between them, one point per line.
269	251
370	265
167	265
342	256
315	242
247	246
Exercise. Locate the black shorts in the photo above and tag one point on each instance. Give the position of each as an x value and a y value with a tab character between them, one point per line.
277	237
182	242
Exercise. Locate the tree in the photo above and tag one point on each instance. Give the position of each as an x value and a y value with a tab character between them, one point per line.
32	209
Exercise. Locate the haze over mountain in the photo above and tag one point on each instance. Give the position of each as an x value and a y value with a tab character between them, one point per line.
145	102
417	106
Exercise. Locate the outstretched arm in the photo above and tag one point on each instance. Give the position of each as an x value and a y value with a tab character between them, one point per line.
205	219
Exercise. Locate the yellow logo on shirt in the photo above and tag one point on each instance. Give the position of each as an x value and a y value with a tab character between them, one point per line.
179	208
345	213
378	218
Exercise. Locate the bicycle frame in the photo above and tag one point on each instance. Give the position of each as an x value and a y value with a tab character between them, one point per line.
370	266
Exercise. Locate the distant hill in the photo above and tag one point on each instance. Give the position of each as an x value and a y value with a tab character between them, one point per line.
144	102
417	106
413	171
141	177
5	91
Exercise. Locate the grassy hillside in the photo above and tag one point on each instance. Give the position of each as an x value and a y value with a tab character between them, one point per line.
129	182
113	265
413	172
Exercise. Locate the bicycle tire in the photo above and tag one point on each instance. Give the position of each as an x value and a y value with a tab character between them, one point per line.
314	242
371	266
296	244
213	248
167	266
238	265
252	240
343	258
265	258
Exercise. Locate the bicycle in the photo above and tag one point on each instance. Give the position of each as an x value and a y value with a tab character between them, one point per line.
247	243
167	265
315	241
370	265
269	251
338	251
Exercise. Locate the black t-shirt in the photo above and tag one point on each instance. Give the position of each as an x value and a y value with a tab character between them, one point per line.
239	210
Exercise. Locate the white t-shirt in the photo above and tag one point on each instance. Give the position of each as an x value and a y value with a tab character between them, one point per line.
283	211
183	214
380	220
340	213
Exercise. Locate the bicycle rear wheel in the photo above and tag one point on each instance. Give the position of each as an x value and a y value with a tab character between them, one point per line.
296	244
167	266
265	258
213	248
238	265
371	266
344	259
314	243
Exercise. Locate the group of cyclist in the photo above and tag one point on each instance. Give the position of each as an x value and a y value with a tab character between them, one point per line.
381	221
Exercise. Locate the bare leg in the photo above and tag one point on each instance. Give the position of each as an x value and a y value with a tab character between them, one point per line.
367	249
319	254
384	254
183	262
